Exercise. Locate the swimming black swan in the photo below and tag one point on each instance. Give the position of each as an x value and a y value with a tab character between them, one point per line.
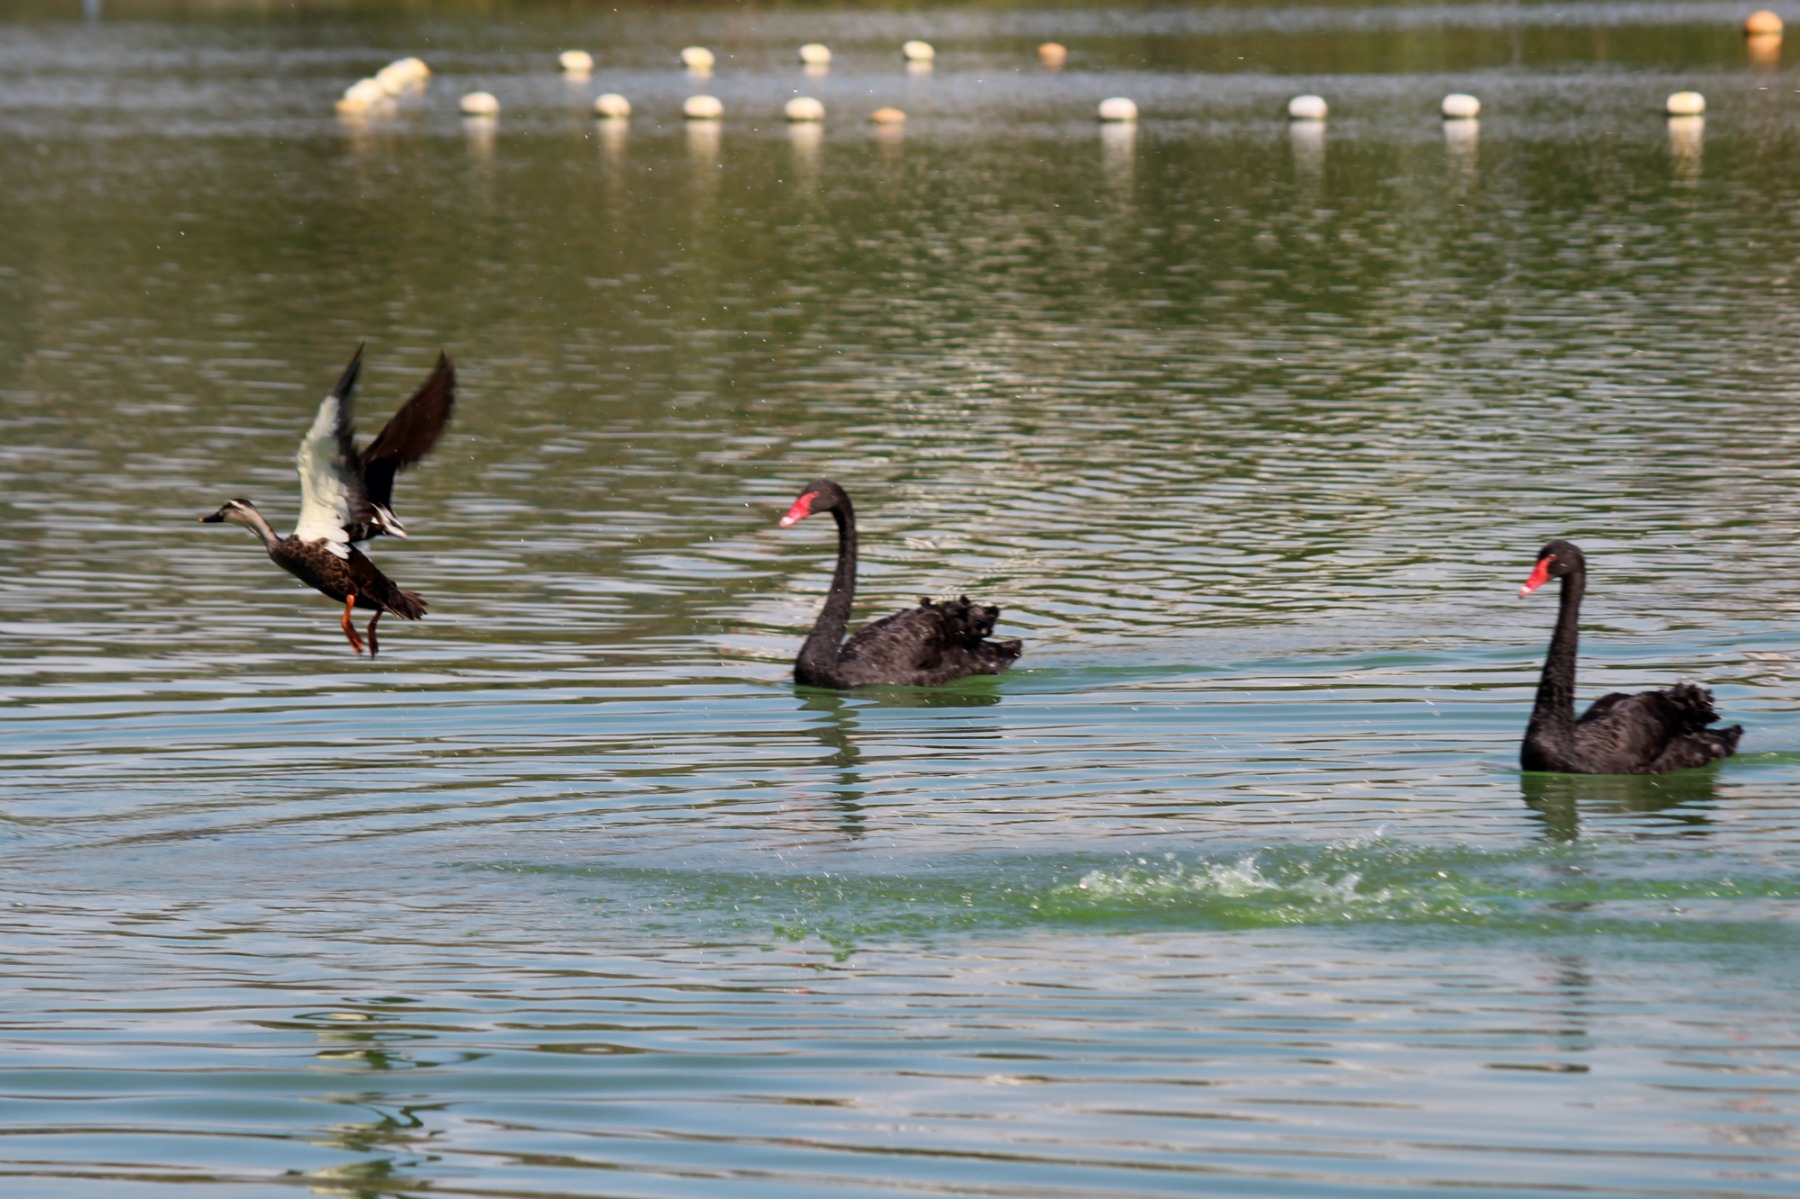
346	498
919	647
1647	733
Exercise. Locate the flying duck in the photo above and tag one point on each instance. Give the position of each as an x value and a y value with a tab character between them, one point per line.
346	498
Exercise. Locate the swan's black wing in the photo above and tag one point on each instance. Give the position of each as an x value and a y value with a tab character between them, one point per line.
924	646
405	439
1654	731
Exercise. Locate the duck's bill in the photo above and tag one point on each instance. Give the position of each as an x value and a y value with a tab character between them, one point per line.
214	519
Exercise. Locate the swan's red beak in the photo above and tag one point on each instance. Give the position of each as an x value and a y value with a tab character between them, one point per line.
1538	577
800	511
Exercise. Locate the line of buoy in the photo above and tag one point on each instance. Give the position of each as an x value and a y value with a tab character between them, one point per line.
1457	106
407	74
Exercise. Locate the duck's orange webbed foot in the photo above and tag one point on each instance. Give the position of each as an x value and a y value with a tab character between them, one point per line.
350	629
374	645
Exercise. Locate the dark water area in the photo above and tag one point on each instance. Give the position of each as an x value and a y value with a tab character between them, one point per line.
1231	887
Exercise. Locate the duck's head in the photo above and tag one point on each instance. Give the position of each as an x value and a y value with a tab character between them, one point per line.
235	512
821	495
1555	560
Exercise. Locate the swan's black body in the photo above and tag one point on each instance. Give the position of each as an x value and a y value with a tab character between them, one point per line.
1651	732
347	498
918	647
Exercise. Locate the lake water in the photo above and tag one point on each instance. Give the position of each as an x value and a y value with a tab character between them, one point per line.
1232	887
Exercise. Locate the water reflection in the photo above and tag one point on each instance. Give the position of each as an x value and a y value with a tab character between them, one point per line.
1308	141
1118	153
703	139
1686	135
836	729
806	137
480	133
1462	140
611	136
1559	799
1764	49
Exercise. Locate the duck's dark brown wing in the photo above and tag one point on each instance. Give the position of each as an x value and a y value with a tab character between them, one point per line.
375	590
404	440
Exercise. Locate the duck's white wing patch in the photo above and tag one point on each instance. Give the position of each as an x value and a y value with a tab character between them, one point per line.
325	484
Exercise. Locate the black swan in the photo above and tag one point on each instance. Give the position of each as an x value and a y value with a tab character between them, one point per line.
919	647
346	498
1647	733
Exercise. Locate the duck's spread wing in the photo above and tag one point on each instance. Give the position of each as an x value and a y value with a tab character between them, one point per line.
331	489
409	435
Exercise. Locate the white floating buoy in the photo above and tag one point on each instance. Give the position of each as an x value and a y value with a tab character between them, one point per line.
815	54
697	58
576	62
1460	106
702	108
1685	104
1307	108
1053	54
804	108
402	74
612	106
888	116
1118	108
480	104
918	51
362	95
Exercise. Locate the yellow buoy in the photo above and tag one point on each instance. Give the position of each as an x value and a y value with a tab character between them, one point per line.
1762	23
612	106
888	116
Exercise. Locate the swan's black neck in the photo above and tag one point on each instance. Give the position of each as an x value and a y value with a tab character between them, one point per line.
819	656
1555	708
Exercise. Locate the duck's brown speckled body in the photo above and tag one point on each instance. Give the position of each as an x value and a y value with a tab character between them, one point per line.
346	499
